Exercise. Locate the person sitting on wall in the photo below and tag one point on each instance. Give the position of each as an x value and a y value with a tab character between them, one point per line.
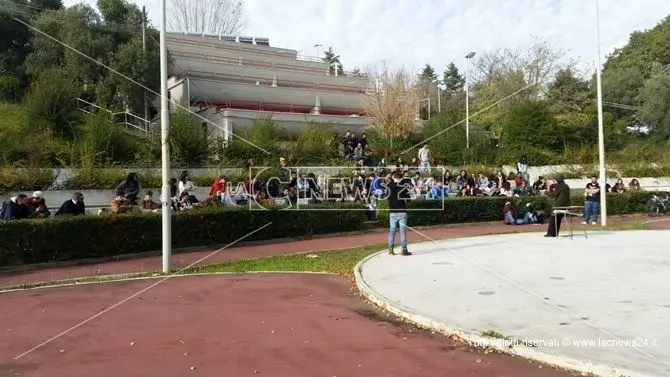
121	204
15	208
185	202
130	187
73	207
147	205
37	206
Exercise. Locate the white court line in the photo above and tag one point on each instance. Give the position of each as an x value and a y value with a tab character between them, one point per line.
136	294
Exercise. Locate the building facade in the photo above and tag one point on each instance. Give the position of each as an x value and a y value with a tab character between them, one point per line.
234	81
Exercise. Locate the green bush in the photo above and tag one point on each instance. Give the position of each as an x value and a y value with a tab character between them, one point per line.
466	210
622	204
101	179
50	240
12	180
461	210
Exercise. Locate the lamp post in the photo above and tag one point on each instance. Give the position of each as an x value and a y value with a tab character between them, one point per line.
166	203
439	102
318	49
601	133
467	99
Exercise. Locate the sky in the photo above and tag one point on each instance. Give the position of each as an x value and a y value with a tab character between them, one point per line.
411	33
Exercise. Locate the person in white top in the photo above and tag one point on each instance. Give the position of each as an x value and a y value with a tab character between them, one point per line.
424	158
185	184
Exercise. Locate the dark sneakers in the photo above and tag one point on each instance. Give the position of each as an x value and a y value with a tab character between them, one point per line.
404	252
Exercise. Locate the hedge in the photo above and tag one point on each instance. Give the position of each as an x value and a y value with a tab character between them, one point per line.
467	210
61	239
73	238
461	210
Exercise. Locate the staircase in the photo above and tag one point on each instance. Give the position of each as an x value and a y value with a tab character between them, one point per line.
129	121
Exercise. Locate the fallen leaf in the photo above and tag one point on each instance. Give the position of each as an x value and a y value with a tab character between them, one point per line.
192	368
478	361
132	343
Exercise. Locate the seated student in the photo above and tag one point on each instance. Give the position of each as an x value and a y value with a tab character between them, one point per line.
438	191
148	205
121	204
531	216
36	206
74	206
186	202
15	208
510	215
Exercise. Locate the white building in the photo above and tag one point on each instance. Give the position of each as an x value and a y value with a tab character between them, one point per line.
233	81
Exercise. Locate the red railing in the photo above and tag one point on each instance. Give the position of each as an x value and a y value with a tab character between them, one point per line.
280	83
278	107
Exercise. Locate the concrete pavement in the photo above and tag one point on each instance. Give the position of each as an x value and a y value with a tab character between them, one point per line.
599	304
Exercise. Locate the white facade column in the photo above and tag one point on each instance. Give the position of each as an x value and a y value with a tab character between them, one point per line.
274	81
316	110
225	123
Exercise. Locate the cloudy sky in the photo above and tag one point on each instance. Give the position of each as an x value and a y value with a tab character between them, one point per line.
412	33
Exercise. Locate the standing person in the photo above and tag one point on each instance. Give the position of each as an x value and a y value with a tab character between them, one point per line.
561	196
522	168
591	201
398	196
424	159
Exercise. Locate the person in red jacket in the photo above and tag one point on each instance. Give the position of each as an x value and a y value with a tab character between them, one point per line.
218	188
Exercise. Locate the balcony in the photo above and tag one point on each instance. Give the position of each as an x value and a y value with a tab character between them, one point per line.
241	51
218	89
184	57
266	75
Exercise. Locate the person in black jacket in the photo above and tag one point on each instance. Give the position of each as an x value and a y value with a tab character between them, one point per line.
561	196
398	194
15	208
74	206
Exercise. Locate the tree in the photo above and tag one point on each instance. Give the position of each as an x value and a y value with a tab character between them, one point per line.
655	111
622	86
218	17
452	79
188	139
333	60
51	104
393	104
515	76
568	96
531	126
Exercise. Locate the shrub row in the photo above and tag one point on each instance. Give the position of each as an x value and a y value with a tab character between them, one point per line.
72	238
12	179
467	210
61	239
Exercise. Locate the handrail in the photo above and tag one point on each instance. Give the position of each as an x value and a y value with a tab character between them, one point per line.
252	79
257	63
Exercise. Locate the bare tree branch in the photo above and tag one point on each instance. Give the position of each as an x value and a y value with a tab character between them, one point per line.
219	17
393	103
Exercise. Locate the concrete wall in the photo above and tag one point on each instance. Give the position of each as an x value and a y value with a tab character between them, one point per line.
238	51
187	66
220	91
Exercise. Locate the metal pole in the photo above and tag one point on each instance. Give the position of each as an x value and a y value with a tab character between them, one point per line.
428	108
165	148
601	133
467	105
144	50
439	103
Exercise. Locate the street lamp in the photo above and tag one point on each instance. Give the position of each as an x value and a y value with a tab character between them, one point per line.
318	49
439	102
467	99
601	133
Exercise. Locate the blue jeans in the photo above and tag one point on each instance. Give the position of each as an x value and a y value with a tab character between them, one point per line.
591	211
398	219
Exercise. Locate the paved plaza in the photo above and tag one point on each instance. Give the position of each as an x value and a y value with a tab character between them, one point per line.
599	303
